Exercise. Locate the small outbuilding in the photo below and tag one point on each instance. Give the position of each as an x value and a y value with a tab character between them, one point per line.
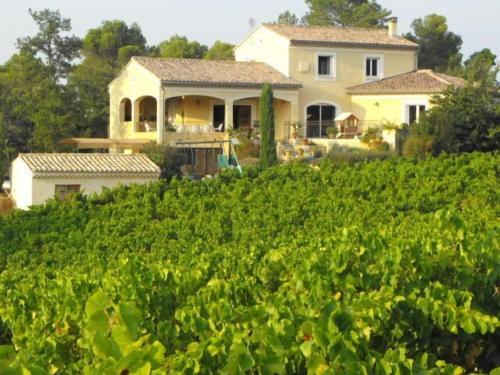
38	177
347	125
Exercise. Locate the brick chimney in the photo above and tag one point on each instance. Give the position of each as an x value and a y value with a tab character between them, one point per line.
392	24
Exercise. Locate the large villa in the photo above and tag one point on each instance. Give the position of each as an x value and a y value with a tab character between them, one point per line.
317	74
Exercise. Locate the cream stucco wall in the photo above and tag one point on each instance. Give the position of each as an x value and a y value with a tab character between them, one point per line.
22	190
264	45
349	71
134	83
44	188
386	108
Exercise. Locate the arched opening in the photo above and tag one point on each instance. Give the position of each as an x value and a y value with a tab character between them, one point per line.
320	117
147	114
125	110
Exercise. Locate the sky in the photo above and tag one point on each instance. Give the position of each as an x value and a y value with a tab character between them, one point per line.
229	20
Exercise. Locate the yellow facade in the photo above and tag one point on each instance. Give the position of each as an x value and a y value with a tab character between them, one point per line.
349	71
156	107
393	109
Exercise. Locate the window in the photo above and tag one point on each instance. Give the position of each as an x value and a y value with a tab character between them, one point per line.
319	118
373	67
414	113
62	191
326	66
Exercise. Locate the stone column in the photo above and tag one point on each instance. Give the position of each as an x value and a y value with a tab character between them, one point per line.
160	116
228	117
135	115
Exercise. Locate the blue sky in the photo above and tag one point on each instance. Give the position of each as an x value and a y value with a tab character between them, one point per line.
228	20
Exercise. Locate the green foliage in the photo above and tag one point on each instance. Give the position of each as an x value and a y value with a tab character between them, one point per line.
57	50
439	48
287	18
381	268
169	159
90	80
268	153
363	13
340	156
220	51
463	120
180	47
419	146
111	39
481	67
36	109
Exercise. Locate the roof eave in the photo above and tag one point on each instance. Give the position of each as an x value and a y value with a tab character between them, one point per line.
295	42
393	93
282	86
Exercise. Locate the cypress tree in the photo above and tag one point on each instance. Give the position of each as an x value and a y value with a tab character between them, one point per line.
268	156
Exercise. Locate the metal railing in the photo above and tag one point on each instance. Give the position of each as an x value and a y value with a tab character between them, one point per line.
339	130
193	127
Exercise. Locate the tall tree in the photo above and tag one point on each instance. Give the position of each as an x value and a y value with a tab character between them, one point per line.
287	18
180	46
481	66
363	13
268	155
463	120
439	48
57	50
36	110
110	39
220	51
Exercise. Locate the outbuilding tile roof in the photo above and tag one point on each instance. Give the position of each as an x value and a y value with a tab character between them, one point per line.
215	72
95	164
424	81
335	35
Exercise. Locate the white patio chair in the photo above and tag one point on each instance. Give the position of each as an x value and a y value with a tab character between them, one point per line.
219	128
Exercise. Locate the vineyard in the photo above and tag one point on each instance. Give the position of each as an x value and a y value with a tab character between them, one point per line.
387	267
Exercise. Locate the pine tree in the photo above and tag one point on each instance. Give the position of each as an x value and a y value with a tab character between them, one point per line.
268	156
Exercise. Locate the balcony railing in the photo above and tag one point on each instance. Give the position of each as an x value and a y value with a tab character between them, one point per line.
339	130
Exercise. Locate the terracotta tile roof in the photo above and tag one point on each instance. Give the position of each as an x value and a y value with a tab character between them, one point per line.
90	164
215	72
348	36
423	81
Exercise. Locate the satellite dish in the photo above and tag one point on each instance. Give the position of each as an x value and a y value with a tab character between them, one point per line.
252	23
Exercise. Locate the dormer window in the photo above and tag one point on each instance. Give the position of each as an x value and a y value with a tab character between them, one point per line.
325	66
374	67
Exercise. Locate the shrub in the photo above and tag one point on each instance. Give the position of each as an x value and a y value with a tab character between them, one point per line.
169	159
6	204
418	145
463	120
373	139
340	155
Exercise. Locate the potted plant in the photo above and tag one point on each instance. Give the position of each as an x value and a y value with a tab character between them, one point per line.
332	132
296	126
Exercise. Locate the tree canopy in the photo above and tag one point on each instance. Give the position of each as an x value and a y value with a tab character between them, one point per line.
287	18
463	120
439	47
481	66
50	42
109	40
180	47
361	13
220	51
